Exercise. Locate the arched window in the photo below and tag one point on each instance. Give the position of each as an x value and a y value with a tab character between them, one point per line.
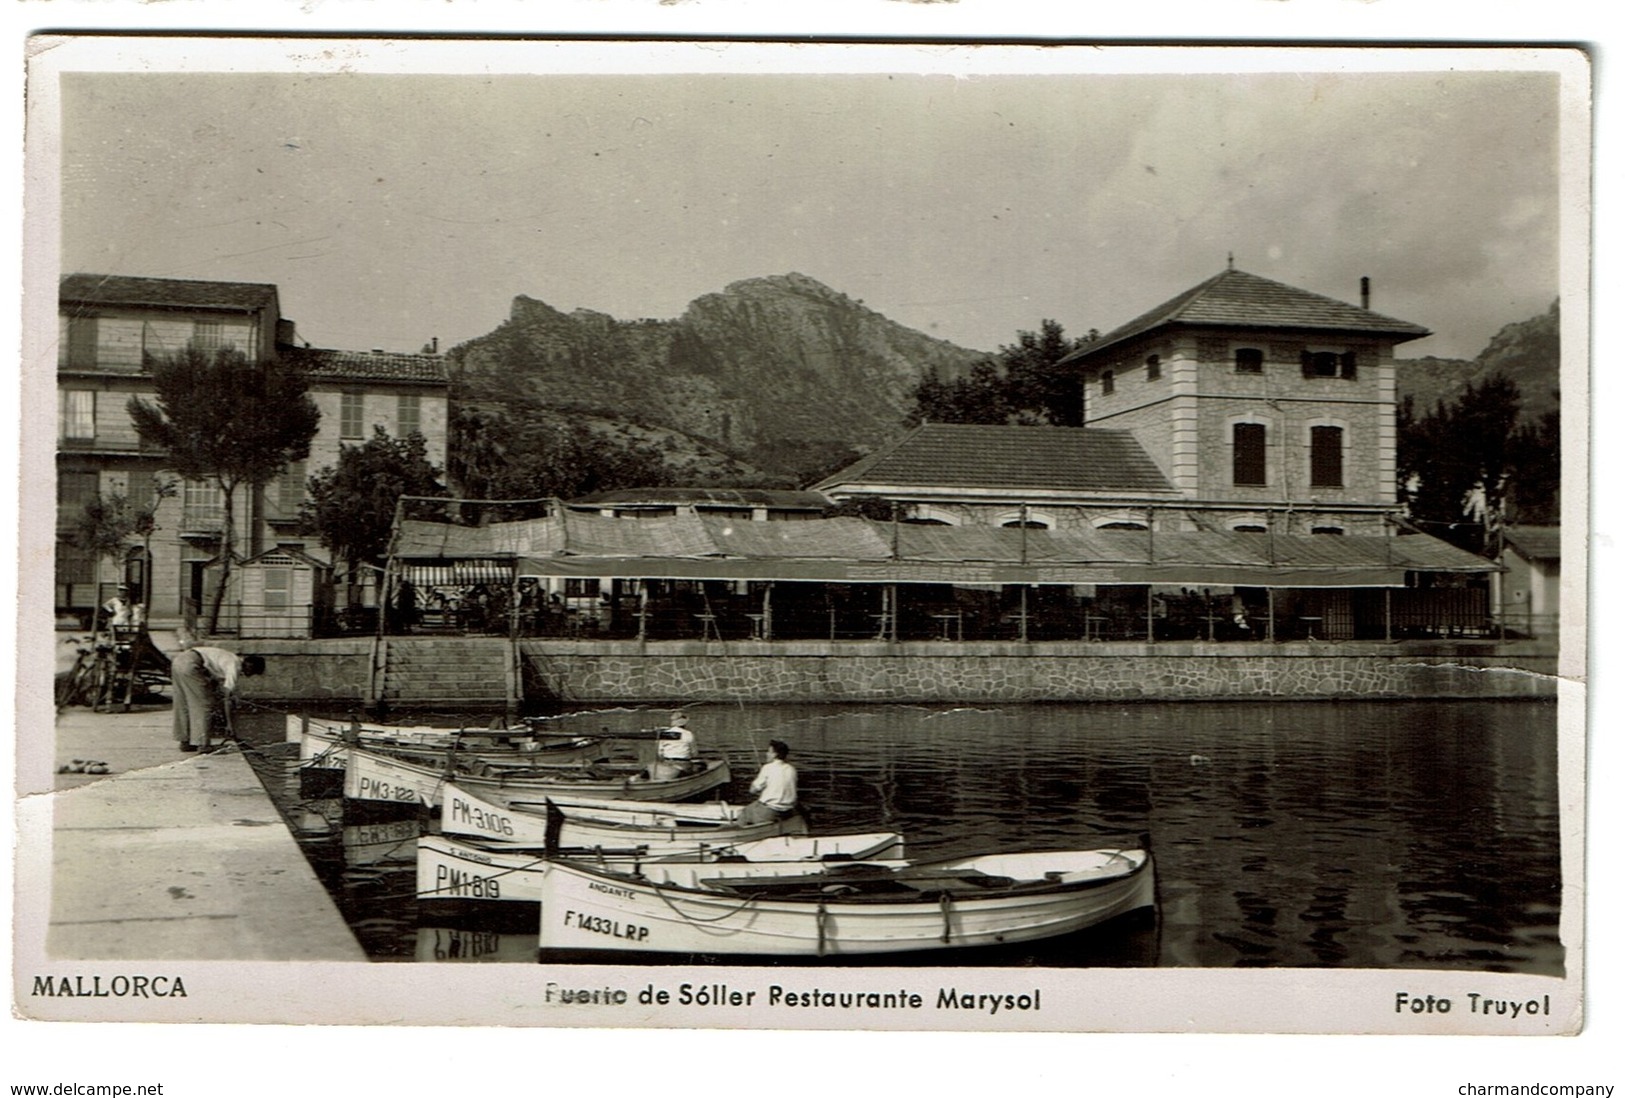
1249	524
1119	521
1326	530
1035	520
927	515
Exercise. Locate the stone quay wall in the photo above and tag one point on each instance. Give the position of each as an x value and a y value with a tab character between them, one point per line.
944	672
338	672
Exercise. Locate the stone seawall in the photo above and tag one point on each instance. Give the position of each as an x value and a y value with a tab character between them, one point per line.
338	671
941	672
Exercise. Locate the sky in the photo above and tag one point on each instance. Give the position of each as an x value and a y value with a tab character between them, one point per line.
392	209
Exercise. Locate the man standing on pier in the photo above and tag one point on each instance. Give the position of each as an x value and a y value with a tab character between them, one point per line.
204	680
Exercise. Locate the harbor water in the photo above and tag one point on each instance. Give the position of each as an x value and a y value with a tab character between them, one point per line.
1287	834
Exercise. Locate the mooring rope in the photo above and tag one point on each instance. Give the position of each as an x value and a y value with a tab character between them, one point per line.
661	892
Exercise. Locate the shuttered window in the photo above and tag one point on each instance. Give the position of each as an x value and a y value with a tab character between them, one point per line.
1325	457
78	415
350	415
409	414
1247	462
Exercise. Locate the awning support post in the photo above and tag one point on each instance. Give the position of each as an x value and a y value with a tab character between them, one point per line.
1388	614
1270	626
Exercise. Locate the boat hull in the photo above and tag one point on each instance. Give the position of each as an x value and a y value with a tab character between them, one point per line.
372	776
657	826
587	909
325	744
452	872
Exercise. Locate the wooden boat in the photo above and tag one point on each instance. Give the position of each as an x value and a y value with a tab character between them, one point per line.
453	871
374	776
323	744
658	827
841	909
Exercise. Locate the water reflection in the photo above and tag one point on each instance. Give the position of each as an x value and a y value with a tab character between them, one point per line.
1287	834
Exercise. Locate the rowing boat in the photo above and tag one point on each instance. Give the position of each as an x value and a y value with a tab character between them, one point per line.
842	909
453	871
374	776
324	744
658	826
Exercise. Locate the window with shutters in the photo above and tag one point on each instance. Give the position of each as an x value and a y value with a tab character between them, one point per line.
78	411
73	491
350	415
208	335
1247	453
408	414
1325	457
83	337
291	489
1329	364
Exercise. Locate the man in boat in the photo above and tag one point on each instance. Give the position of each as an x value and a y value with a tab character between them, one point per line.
675	750
204	680
774	786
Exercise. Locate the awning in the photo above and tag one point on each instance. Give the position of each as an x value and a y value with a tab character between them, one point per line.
458	573
851	550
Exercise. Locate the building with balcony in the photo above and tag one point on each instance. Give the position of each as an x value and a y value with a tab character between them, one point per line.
111	330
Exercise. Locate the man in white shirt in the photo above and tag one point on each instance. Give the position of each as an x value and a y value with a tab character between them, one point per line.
774	786
203	680
676	749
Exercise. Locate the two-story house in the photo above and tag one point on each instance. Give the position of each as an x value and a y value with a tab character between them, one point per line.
1240	405
112	328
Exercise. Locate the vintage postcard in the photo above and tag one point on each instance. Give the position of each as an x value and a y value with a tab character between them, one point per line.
735	535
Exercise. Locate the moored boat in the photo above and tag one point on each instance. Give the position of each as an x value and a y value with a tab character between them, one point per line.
658	826
374	776
841	909
324	744
452	871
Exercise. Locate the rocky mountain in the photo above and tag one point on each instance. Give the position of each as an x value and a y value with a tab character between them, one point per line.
1526	351
772	380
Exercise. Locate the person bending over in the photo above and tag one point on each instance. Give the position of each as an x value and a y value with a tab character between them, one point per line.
204	680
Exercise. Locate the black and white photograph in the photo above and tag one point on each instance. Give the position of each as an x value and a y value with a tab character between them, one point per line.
647	535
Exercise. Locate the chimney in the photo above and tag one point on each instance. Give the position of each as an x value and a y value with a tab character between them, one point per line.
434	345
1365	292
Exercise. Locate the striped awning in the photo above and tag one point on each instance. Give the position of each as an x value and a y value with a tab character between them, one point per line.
456	573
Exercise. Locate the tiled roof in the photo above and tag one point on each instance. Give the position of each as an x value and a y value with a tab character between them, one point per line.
953	455
99	289
1237	299
1536	542
720	497
320	365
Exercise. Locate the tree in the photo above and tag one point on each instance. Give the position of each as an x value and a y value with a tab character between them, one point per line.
1457	464
221	418
1025	384
352	504
526	453
107	525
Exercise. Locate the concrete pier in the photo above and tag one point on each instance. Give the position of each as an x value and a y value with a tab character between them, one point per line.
173	856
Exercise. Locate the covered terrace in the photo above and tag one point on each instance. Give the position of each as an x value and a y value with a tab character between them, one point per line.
689	576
